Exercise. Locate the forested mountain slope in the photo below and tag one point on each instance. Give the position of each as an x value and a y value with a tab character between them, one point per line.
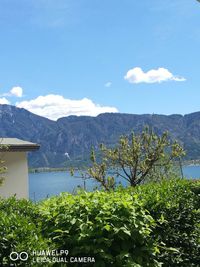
69	140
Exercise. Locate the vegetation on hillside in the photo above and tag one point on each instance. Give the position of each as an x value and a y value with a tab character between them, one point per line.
75	135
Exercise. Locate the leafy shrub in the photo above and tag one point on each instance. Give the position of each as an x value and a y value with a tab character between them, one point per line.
150	225
174	204
19	230
111	227
195	188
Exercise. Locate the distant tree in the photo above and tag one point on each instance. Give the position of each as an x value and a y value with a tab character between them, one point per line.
136	158
2	171
2	164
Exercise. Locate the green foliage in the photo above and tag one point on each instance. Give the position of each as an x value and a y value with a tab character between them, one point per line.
112	227
3	168
156	224
136	158
175	206
20	230
2	171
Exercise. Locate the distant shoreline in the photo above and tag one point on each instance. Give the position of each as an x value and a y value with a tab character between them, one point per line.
195	162
62	169
46	169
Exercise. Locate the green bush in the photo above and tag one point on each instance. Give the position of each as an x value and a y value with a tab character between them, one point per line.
19	230
111	227
174	204
195	188
150	225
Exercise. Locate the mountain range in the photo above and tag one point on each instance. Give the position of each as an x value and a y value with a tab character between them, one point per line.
68	140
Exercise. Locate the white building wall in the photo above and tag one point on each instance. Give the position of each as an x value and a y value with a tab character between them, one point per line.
16	176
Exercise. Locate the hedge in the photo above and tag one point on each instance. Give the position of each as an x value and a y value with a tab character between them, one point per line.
20	230
112	227
175	206
157	224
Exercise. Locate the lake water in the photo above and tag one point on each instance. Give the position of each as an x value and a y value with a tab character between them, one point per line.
46	184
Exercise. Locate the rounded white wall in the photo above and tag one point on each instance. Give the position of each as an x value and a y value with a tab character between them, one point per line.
16	176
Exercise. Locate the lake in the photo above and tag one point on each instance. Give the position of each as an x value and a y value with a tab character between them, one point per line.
46	184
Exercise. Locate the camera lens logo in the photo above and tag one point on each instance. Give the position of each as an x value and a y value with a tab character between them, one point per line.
23	256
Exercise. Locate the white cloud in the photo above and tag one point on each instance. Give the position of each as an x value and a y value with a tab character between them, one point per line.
3	100
108	84
16	91
137	75
56	106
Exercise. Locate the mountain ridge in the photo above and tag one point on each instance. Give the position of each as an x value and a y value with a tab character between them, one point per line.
69	139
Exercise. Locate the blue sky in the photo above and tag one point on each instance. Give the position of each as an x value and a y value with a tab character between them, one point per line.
85	57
